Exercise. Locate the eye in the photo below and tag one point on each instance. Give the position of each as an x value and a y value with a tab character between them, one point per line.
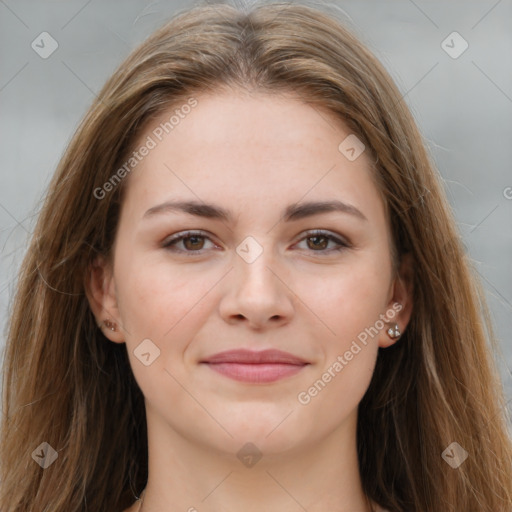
318	240
193	242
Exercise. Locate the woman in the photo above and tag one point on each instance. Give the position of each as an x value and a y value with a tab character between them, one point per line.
246	292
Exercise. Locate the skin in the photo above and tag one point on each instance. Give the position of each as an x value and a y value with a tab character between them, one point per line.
252	154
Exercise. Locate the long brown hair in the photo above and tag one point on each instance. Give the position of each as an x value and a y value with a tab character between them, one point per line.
66	385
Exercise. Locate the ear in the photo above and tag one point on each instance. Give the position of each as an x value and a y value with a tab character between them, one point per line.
400	305
101	294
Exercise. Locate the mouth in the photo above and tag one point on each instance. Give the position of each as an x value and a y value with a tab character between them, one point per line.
256	367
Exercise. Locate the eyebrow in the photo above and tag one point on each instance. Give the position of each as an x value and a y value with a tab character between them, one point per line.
292	212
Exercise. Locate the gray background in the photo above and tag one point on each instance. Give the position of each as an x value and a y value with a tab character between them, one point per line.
463	107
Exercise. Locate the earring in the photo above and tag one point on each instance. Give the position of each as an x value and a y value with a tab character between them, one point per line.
394	331
110	325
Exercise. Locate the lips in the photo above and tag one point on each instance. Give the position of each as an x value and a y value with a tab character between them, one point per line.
250	357
257	367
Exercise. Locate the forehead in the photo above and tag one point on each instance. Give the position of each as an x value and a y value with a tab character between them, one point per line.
258	120
248	146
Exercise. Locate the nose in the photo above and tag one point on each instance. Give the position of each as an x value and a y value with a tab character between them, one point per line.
257	295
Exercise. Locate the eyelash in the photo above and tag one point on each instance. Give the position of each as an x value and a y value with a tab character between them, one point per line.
170	242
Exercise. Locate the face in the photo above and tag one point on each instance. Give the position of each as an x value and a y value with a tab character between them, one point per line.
223	244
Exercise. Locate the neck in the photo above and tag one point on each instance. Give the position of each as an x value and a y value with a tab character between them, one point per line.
317	476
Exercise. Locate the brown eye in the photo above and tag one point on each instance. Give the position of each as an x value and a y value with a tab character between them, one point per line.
193	242
318	242
190	243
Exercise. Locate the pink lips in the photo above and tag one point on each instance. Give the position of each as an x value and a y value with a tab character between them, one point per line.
248	366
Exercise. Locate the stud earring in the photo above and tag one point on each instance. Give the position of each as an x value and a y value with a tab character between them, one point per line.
394	331
110	325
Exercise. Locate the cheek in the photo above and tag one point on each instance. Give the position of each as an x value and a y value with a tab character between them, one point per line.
349	300
166	309
349	305
153	300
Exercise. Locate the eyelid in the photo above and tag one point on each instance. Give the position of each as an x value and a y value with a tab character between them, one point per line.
342	242
186	234
328	234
